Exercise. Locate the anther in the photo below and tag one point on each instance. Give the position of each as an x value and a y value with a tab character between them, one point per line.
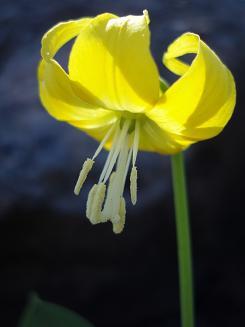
95	215
90	200
108	202
87	166
118	224
133	185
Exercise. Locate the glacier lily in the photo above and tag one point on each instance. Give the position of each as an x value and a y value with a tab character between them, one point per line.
113	92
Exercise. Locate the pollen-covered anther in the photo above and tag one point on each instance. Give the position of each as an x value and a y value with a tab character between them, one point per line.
133	185
108	201
87	166
95	201
90	200
116	219
119	222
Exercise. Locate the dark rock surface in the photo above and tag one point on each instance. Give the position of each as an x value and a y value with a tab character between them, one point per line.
47	245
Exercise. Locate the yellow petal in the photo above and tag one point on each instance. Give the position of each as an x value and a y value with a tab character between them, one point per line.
60	100
112	60
155	139
59	94
200	103
60	34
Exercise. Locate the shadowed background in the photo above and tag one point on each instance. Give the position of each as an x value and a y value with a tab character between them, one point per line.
46	243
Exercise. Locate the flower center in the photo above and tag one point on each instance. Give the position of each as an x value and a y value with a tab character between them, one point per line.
109	205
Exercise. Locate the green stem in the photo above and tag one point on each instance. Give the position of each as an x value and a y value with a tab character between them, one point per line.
183	241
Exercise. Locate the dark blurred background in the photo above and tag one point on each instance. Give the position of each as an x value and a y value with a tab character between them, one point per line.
46	243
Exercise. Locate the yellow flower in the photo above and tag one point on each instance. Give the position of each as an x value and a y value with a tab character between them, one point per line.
113	93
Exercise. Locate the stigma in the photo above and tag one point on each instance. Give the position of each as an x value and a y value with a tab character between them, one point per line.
105	199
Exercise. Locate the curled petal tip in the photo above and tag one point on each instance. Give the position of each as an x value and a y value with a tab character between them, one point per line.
146	14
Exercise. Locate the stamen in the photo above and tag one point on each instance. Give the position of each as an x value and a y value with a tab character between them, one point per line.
115	189
122	211
90	200
119	225
136	142
87	166
95	202
133	185
102	143
114	146
119	157
127	167
117	184
134	174
117	150
108	202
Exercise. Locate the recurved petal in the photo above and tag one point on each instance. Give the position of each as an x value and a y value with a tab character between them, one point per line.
59	94
112	60
59	99
60	34
200	103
